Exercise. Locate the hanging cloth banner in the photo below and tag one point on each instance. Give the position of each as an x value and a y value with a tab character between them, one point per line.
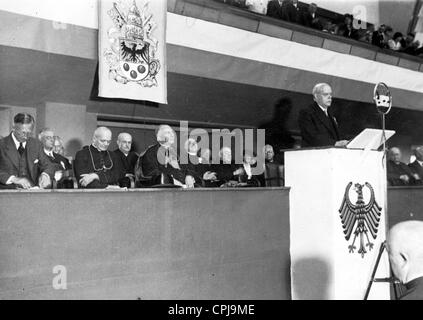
132	50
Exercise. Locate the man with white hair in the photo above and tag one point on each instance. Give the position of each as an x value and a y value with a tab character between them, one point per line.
405	248
62	164
159	164
317	124
129	158
95	166
417	166
398	173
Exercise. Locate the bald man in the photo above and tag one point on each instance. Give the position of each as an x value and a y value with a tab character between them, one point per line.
398	173
95	166
128	158
417	166
317	124
405	248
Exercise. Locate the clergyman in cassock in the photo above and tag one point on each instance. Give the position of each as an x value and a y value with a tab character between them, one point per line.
95	166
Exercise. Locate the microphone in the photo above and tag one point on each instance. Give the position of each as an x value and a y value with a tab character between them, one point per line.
382	98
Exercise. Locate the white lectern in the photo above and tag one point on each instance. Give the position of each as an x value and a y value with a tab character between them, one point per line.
337	222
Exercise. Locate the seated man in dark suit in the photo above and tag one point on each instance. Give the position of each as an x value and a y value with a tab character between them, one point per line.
310	18
159	164
245	174
317	124
291	11
62	164
398	173
128	158
23	164
417	166
273	174
274	9
225	170
95	166
405	248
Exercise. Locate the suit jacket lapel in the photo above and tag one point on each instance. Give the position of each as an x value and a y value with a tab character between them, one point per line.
12	152
327	121
335	125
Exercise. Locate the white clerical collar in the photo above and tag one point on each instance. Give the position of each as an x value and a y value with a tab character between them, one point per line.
126	154
48	152
17	143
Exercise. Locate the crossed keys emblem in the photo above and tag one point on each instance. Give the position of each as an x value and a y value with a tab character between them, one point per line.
360	218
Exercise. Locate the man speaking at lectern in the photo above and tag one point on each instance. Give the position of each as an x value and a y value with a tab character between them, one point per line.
317	124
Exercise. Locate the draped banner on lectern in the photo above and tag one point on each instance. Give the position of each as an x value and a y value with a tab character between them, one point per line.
132	49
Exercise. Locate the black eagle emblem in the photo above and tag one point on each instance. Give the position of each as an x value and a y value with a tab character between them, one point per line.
133	52
360	217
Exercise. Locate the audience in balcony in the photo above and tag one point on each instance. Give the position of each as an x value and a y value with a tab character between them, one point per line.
311	19
378	37
274	9
396	42
258	6
346	28
291	11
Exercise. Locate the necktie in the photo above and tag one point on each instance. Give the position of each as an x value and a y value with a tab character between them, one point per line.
21	148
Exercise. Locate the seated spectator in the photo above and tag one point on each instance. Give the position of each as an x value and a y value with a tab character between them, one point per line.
388	35
290	11
273	174
330	28
23	164
310	18
205	167
62	164
274	9
378	36
417	166
95	166
257	6
129	158
195	166
225	169
159	164
346	28
398	173
405	248
244	172
395	42
410	46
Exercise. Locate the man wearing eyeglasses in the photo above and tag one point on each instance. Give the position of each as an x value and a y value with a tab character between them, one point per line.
23	164
95	166
63	166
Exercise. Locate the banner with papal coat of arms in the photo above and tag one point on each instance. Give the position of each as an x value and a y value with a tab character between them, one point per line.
132	49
